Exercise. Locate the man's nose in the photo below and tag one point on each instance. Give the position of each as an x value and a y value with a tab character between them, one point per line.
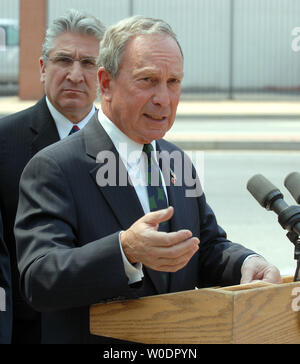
75	73
162	95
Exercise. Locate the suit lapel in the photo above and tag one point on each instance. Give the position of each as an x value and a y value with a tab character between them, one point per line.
43	126
176	195
175	198
175	190
122	198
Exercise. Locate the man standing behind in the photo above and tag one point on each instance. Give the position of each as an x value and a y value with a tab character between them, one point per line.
69	75
81	241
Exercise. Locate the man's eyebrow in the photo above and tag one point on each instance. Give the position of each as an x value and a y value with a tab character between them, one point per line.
69	54
178	75
147	70
62	53
151	71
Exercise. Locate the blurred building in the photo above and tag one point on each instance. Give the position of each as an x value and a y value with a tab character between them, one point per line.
233	48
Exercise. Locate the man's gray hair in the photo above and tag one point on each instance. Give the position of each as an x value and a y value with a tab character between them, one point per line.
73	21
116	37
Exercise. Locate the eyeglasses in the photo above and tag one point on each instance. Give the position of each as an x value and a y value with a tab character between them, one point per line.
88	63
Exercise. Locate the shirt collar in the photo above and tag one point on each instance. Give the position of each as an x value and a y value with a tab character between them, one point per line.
64	125
129	150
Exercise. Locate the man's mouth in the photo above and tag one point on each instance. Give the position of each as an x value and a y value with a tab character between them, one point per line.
73	90
156	117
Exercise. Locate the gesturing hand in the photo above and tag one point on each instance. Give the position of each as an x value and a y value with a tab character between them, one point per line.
161	251
257	268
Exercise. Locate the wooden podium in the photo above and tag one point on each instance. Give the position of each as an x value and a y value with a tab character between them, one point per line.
246	314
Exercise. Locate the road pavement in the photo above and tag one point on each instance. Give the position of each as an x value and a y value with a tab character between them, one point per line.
236	140
225	177
222	125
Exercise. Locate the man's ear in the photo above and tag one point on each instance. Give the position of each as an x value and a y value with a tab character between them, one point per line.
42	70
105	83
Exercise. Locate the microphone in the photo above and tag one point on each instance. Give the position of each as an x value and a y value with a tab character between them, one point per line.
270	197
292	183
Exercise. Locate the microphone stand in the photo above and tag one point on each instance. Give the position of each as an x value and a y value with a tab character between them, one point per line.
288	219
294	238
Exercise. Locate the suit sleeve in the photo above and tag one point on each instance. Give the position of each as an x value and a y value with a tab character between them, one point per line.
57	271
220	259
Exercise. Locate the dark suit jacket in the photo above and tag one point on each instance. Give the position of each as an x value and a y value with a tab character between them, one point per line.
5	286
21	135
67	232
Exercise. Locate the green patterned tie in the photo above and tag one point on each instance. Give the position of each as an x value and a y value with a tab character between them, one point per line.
157	197
156	193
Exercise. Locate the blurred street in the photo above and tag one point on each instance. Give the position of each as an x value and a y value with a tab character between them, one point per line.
221	125
226	174
236	140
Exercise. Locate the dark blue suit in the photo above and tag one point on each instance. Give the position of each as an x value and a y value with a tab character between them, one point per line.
67	234
21	136
5	294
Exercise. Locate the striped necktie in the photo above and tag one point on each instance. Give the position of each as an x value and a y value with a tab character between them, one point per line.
74	129
156	193
157	197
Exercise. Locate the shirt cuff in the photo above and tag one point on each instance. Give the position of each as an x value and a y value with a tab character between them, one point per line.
251	256
134	272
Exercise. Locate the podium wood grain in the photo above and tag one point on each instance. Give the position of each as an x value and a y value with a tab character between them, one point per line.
253	313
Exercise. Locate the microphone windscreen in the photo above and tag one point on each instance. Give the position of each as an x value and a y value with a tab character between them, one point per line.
261	189
292	183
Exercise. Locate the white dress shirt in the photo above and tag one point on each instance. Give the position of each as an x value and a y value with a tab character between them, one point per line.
130	153
64	125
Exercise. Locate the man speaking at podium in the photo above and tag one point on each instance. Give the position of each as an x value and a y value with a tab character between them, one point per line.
88	231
